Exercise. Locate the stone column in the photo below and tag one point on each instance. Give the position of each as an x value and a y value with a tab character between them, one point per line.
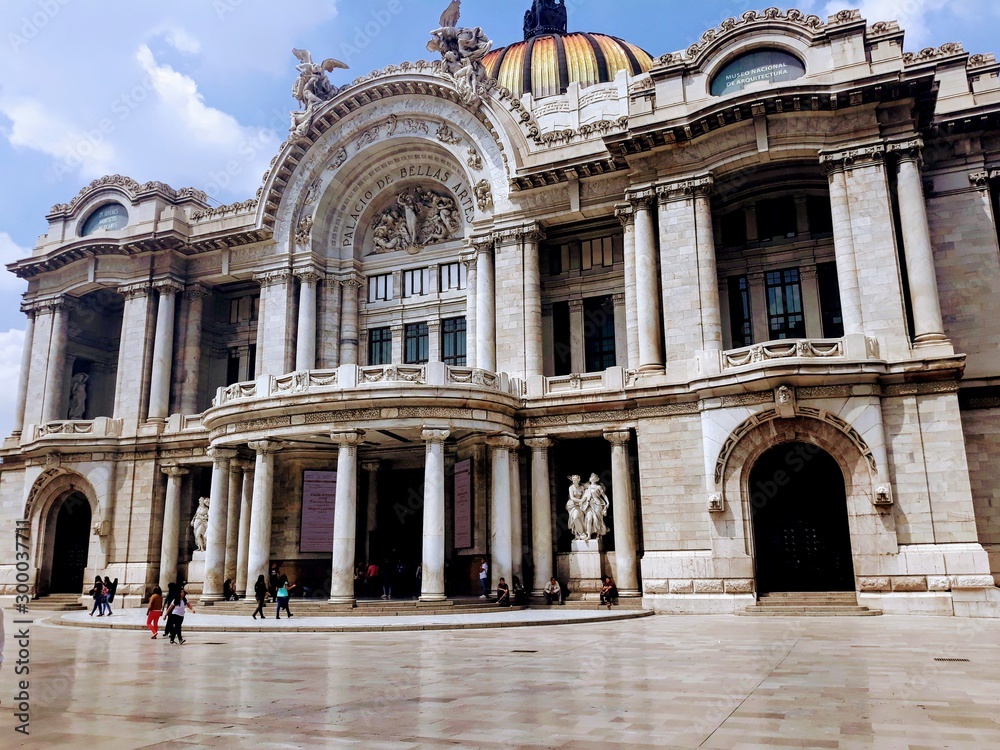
624	512
843	245
470	309
647	293
433	340
371	526
233	518
345	516
500	522
397	343
329	344
163	350
349	321
259	548
758	307
246	514
171	525
811	306
305	346
134	355
55	375
532	303
486	343
218	512
516	522
708	274
541	514
928	326
191	354
626	214
577	341
275	325
621	331
24	372
432	580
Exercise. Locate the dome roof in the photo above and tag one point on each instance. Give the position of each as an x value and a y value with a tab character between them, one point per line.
546	64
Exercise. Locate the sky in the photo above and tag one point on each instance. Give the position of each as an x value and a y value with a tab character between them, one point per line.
197	92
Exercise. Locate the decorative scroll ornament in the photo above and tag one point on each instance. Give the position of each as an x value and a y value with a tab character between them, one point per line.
463	51
311	89
484	195
417	219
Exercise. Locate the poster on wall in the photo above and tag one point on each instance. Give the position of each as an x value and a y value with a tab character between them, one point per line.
319	493
463	504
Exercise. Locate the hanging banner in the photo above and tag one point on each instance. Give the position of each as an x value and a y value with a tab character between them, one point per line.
319	494
463	505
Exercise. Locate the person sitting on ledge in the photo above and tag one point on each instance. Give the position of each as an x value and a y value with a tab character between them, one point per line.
609	592
229	591
553	591
519	594
503	594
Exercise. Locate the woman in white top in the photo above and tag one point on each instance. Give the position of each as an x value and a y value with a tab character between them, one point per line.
175	616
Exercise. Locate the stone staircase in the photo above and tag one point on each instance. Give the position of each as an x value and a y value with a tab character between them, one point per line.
631	604
364	608
57	603
809	604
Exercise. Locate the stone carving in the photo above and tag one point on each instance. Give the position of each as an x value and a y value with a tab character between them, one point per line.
816	349
930	53
545	17
406	125
587	507
313	192
462	51
417	219
883	495
303	232
475	161
339	159
200	525
484	195
716	504
134	191
242	207
447	136
78	396
311	89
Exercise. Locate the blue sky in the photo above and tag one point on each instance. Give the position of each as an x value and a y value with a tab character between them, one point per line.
176	90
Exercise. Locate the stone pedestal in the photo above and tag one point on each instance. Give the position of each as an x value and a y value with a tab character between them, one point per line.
195	582
585	570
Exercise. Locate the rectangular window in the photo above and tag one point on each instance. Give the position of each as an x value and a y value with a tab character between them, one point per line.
599	333
784	304
241	364
453	277
413	283
829	300
740	316
598	253
416	349
561	352
243	309
380	288
379	346
453	342
233	367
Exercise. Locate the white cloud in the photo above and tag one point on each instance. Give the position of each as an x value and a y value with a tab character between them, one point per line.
11	343
914	16
10	251
182	41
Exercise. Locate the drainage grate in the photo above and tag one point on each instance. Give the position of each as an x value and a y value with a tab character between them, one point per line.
954	660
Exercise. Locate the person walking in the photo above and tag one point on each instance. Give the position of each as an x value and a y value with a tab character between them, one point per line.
372	577
387	576
154	611
484	572
168	602
260	594
176	613
98	593
283	595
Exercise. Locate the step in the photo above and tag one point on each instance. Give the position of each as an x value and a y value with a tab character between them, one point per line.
859	612
809	604
58	603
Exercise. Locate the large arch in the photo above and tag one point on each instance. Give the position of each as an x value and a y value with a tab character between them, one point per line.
47	497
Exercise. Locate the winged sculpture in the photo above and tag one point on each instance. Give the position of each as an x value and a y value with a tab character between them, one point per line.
311	88
462	51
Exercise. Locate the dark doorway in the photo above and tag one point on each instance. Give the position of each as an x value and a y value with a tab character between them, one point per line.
397	546
72	540
802	538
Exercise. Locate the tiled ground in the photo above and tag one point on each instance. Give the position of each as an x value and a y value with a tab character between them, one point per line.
660	682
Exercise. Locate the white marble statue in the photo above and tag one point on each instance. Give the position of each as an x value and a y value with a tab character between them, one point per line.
595	508
311	89
78	396
575	507
417	219
200	525
463	51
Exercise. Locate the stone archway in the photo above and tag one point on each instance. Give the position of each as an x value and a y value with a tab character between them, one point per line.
798	509
71	544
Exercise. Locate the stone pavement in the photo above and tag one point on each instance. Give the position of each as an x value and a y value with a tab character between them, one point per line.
658	682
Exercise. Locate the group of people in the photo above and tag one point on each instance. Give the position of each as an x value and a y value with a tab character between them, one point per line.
104	594
609	592
280	593
391	578
507	595
175	605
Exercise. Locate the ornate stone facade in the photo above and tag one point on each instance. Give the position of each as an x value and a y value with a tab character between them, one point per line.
698	298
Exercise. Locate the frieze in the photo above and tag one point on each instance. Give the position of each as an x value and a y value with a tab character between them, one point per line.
932	53
447	136
861	156
348	415
406	125
230	209
919	389
824	391
748	399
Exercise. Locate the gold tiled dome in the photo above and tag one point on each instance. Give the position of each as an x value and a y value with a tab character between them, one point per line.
545	65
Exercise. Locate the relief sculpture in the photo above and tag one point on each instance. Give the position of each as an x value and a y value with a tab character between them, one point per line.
417	219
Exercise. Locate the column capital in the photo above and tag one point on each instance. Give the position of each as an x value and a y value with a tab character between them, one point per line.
168	287
641	199
352	279
247	467
263	447
692	187
220	455
468	260
618	437
625	213
435	434
308	275
907	150
808	272
273	278
43	306
539	444
139	289
512	235
371	466
198	291
980	181
575	305
174	471
504	442
618	299
482	243
348	438
852	157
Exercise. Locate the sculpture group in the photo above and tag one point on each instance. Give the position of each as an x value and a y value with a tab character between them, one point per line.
462	50
417	219
311	89
587	506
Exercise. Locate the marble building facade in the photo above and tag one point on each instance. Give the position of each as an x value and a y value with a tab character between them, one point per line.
750	284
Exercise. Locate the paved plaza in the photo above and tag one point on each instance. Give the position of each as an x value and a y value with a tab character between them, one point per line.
657	682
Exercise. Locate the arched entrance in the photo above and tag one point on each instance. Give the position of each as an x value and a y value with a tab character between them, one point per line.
798	505
72	542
